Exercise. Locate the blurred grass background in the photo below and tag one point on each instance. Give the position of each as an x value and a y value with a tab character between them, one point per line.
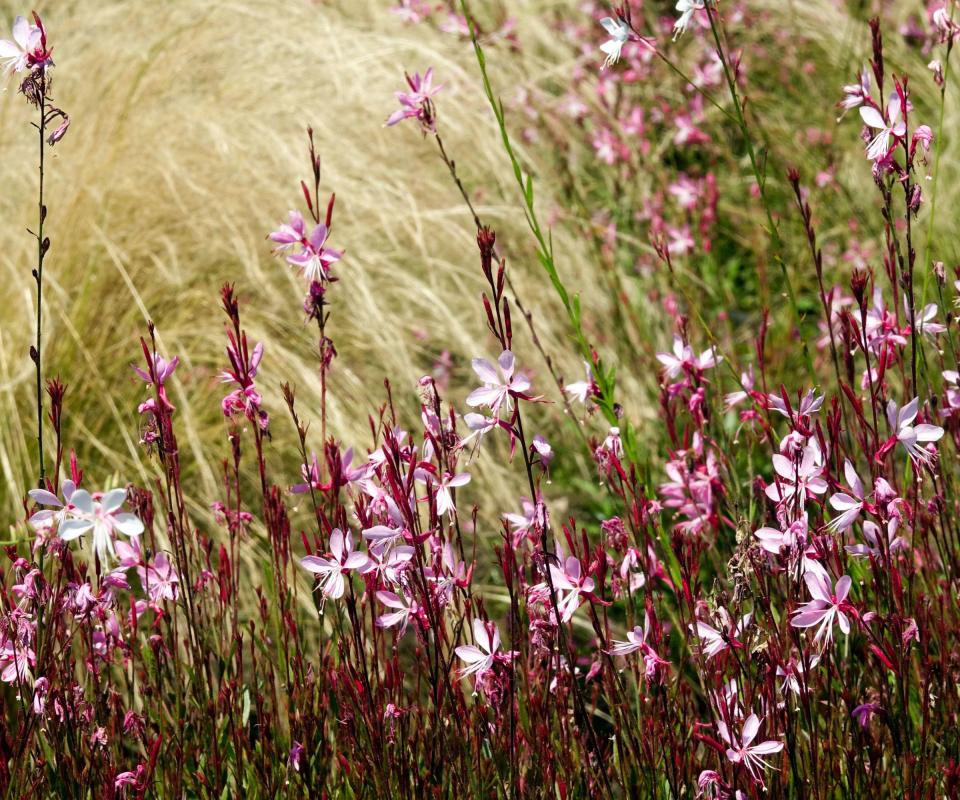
185	150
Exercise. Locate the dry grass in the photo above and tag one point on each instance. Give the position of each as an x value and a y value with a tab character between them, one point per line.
185	150
186	147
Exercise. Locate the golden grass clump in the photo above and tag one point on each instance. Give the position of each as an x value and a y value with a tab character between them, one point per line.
186	146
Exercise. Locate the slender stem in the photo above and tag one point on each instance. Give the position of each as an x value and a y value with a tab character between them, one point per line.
41	251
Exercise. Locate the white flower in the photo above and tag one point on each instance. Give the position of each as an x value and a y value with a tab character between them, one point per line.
103	517
892	126
497	389
849	505
713	641
914	438
687	8
480	657
581	390
331	570
619	35
682	358
741	751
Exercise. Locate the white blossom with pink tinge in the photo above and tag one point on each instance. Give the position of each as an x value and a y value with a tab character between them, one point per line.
331	570
828	605
741	749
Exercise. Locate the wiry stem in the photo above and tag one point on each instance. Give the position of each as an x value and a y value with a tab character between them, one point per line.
38	275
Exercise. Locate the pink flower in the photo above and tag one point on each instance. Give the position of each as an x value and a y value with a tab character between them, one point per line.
403	610
387	562
417	103
746	386
796	480
445	504
810	404
865	711
873	547
245	400
854	93
27	50
828	604
741	751
312	256
331	570
777	541
571	580
498	390
480	657
682	359
791	672
925	323
160	579
714	641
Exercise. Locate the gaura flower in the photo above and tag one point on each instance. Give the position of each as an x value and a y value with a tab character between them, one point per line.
331	570
828	605
619	33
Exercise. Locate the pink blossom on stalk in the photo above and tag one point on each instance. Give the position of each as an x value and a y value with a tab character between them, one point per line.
331	570
683	359
47	518
159	579
572	584
526	523
27	50
387	562
16	658
637	641
245	400
714	641
796	480
792	671
776	541
925	323
159	370
849	505
498	389
914	438
854	93
445	503
891	127
746	387
810	404
873	547
828	605
742	751
417	104
403	610
480	657
952	392
581	390
313	257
